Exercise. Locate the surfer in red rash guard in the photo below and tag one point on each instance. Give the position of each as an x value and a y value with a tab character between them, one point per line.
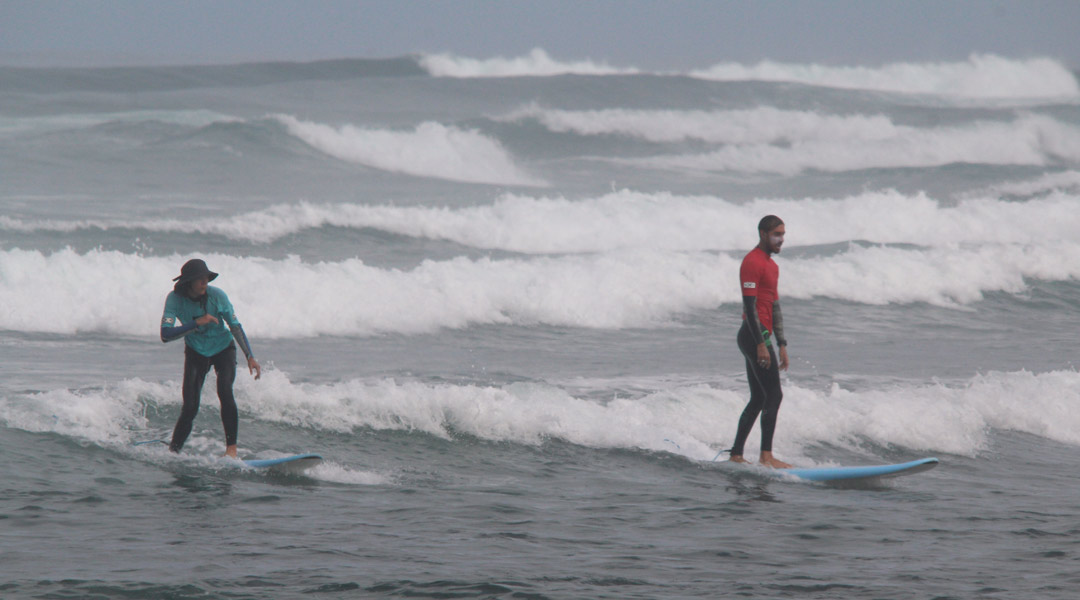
762	324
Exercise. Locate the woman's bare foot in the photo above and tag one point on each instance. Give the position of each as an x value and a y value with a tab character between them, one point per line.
230	451
768	460
737	458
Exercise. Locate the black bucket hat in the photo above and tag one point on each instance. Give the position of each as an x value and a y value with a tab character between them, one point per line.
192	270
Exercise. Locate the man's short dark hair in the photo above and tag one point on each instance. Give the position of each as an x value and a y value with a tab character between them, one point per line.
769	222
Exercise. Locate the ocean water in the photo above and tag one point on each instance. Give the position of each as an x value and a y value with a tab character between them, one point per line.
500	297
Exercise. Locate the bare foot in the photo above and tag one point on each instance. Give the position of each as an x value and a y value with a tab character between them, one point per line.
230	451
737	458
768	460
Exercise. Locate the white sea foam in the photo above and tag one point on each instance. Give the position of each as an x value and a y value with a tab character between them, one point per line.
760	125
767	139
46	292
626	219
980	76
938	417
430	150
1030	140
1056	184
115	417
536	63
789	141
103	416
694	420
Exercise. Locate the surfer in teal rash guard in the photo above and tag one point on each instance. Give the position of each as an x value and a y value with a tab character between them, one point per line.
762	323
204	317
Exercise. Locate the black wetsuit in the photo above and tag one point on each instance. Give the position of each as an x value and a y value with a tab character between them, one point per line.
196	366
765	393
213	344
762	321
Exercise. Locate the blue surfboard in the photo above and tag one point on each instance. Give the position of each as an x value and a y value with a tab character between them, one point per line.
297	463
834	474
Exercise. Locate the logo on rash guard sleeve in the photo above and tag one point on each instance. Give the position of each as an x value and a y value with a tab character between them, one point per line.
749	285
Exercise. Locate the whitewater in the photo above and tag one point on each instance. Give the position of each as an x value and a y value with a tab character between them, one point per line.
500	295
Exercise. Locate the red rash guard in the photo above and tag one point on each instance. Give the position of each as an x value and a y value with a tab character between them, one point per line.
759	275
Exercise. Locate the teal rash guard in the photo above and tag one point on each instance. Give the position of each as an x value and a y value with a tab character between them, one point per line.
178	321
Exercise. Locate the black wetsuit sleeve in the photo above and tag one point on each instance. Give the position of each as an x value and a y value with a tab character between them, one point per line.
778	324
241	339
752	318
169	334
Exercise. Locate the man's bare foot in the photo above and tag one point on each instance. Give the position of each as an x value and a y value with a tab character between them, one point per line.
230	451
737	458
768	460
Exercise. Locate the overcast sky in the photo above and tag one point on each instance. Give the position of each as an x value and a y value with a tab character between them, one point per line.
648	34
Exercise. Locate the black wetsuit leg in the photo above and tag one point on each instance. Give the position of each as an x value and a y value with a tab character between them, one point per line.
196	366
765	394
225	366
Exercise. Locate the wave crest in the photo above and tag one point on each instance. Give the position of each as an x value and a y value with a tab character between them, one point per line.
1031	140
46	293
680	419
430	150
537	63
626	219
980	76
